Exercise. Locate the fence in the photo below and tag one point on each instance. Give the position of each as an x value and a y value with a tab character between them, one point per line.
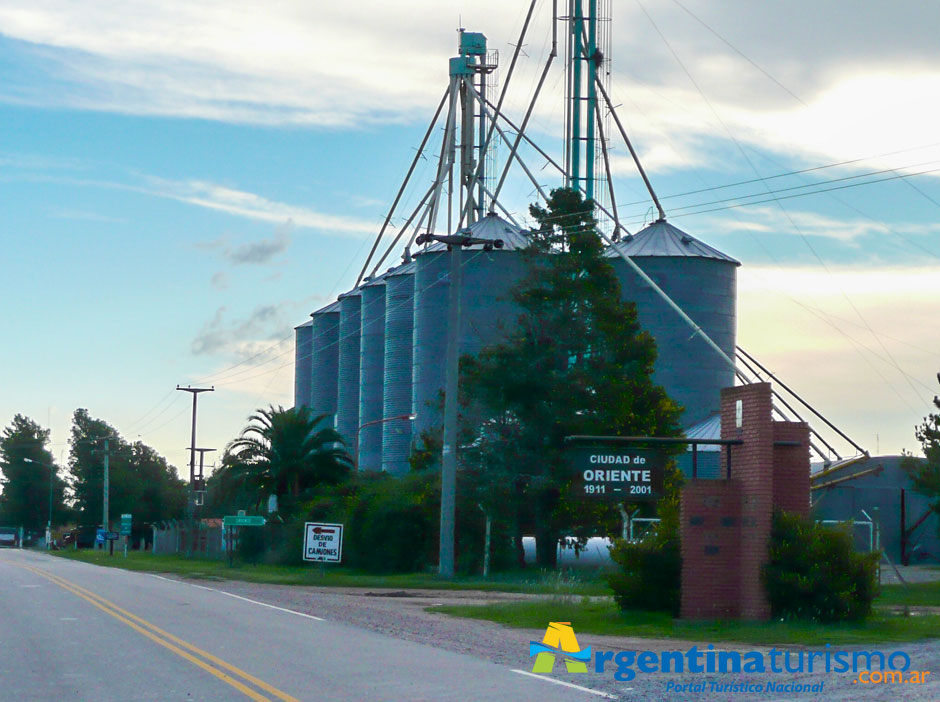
208	540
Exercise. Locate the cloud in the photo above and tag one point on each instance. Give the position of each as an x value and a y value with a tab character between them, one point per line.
219	280
263	251
869	364
240	337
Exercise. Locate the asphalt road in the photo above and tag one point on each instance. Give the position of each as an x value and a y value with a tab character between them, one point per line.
73	631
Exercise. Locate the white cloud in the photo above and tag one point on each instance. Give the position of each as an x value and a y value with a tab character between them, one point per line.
869	365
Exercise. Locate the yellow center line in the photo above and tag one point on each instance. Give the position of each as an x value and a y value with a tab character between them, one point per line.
142	625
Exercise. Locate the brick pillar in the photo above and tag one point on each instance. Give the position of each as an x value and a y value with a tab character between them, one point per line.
791	467
746	415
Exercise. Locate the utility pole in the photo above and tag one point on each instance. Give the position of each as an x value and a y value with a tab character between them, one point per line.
105	519
191	502
455	243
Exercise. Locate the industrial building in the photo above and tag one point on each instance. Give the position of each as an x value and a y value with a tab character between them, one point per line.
373	361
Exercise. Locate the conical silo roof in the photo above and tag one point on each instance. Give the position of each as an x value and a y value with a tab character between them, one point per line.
491	228
664	239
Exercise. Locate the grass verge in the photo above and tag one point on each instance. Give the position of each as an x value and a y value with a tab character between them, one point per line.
550	583
603	617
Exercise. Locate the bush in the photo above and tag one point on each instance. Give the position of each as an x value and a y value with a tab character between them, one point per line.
393	524
815	573
648	576
650	572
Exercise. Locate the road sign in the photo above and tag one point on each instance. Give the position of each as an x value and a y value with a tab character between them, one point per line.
621	474
323	542
126	522
243	520
101	536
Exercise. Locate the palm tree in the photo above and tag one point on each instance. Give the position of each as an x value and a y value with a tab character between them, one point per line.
283	452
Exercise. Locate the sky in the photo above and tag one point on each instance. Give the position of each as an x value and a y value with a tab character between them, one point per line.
183	183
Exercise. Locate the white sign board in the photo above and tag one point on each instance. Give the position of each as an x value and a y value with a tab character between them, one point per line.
323	542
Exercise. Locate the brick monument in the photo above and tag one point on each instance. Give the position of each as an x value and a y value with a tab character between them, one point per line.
725	524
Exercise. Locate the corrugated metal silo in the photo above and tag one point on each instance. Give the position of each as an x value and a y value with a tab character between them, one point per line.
325	362
399	354
486	280
371	374
703	282
303	363
347	398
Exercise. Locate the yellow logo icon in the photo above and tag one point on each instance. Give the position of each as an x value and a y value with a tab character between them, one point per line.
559	640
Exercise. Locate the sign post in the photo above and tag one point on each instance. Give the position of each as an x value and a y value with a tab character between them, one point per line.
323	542
126	524
231	522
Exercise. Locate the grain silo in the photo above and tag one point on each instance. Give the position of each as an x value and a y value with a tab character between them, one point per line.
371	374
702	281
487	280
303	363
399	350
347	393
324	362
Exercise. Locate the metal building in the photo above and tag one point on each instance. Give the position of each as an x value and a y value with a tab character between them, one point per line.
703	282
487	278
399	350
347	393
324	362
303	363
877	496
371	374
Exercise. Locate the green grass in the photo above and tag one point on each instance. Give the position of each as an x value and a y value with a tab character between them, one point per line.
914	594
586	583
603	617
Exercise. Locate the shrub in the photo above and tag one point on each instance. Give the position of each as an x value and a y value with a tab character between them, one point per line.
648	576
650	572
815	573
393	524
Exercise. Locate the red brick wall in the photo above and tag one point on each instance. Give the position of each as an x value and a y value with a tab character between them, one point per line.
725	524
710	518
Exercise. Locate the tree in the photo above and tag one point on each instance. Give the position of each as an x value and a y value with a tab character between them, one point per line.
577	362
285	452
141	482
925	474
25	465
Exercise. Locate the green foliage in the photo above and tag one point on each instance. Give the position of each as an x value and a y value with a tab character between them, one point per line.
142	483
27	469
925	474
284	452
815	573
393	524
577	362
649	572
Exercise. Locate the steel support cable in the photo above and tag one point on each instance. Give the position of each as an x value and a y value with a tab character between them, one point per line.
465	210
531	108
800	399
610	179
786	404
626	139
404	228
401	190
447	154
513	154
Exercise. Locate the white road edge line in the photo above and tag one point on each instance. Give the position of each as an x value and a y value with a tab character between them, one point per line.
239	597
566	684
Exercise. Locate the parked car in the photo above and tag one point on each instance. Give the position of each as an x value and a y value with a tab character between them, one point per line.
9	537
